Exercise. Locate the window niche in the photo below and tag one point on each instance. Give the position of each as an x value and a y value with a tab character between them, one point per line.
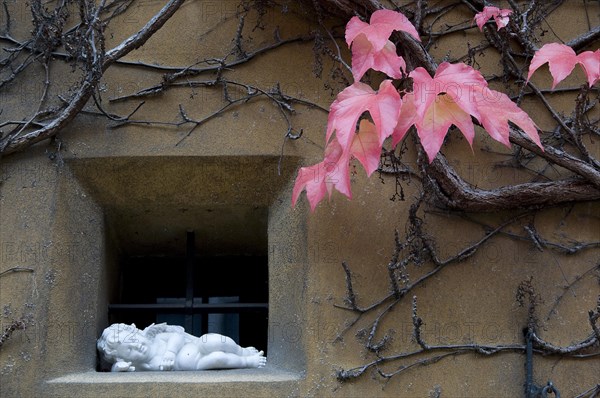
206	270
233	213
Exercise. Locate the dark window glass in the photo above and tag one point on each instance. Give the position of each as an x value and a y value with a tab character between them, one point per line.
219	294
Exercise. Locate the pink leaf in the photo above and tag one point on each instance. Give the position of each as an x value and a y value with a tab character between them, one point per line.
366	146
381	26
501	17
561	60
442	101
590	61
438	117
454	95
407	118
454	80
333	171
322	177
309	178
353	101
364	57
496	109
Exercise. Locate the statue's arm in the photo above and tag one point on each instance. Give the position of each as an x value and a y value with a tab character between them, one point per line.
174	343
121	366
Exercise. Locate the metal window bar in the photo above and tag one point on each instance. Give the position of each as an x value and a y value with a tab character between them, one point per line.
204	308
190	253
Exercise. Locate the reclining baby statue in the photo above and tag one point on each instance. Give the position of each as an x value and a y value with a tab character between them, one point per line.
169	347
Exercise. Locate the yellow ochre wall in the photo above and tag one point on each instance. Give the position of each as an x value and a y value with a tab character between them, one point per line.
59	216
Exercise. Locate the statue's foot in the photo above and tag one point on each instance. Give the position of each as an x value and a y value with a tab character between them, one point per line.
248	351
257	360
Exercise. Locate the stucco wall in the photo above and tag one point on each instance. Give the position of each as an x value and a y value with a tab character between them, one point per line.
55	219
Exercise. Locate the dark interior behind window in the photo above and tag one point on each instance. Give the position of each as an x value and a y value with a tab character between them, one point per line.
204	294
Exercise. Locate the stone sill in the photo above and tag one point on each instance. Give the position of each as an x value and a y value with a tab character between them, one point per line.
249	383
265	375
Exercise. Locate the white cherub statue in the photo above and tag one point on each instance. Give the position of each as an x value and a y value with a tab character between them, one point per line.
167	347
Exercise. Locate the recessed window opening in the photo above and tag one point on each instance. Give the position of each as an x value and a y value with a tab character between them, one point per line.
226	294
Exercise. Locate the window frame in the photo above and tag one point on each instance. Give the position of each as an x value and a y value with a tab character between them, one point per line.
104	185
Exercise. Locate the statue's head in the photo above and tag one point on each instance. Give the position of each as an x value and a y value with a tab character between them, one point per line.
122	342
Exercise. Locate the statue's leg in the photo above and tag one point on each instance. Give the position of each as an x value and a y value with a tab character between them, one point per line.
212	342
225	360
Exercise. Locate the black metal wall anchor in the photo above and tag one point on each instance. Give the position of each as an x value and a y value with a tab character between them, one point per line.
531	389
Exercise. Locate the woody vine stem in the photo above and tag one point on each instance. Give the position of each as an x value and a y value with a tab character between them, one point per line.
444	186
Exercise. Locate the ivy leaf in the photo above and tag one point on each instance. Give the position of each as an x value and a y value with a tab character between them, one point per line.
365	57
495	122
381	26
353	101
452	80
433	126
366	146
332	172
442	101
590	61
452	97
406	119
560	58
501	17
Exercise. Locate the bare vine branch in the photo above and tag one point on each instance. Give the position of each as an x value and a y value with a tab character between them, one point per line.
525	293
13	143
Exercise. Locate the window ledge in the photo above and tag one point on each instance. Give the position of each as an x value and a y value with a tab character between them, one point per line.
263	375
267	382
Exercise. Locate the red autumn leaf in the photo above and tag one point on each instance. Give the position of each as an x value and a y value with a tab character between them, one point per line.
442	101
353	101
381	26
454	95
365	57
495	122
590	61
366	146
501	17
433	126
453	80
406	119
560	58
332	172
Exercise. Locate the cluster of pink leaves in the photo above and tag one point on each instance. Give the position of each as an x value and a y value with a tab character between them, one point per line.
501	16
454	96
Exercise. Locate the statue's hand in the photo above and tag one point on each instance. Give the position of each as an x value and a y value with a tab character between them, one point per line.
122	366
168	361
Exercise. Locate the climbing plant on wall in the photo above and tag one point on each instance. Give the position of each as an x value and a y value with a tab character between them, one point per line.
417	102
421	97
425	98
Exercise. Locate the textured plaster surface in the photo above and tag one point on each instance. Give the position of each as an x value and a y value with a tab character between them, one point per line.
133	188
